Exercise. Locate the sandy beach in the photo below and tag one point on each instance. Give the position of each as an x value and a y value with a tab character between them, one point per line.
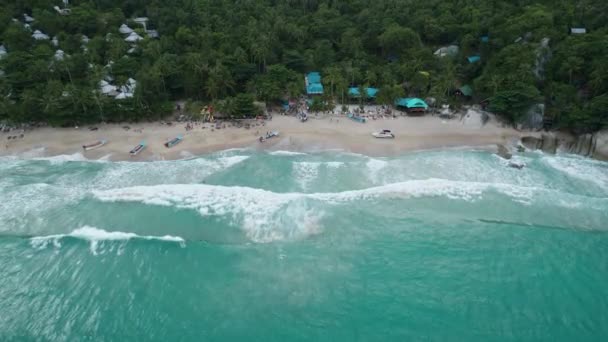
318	133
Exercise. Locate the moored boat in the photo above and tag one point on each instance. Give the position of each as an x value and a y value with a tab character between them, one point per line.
384	134
174	141
92	146
135	151
356	118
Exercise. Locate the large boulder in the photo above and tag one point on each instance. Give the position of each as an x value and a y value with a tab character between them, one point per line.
504	152
531	143
549	143
601	145
588	145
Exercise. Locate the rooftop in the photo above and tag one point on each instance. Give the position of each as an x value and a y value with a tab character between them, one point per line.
371	92
411	102
473	59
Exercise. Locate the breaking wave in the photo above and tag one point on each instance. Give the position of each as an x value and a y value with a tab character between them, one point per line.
287	153
267	216
95	236
595	172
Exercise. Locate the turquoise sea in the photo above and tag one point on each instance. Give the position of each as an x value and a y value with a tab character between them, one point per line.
277	246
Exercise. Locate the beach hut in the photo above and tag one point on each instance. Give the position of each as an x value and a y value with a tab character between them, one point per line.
142	21
473	59
122	96
412	104
124	29
59	55
370	92
107	89
578	30
464	91
450	50
152	33
39	35
314	89
313	77
133	37
313	83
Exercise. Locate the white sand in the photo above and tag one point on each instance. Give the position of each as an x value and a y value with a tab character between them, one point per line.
412	133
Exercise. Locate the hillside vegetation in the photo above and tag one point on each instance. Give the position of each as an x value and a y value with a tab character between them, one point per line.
212	50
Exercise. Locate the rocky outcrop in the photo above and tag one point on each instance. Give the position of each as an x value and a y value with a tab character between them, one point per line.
588	145
547	143
534	118
504	152
601	145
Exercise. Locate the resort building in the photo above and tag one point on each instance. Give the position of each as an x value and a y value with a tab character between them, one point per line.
313	83
371	92
412	104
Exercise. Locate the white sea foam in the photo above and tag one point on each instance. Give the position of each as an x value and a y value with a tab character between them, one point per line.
227	162
334	165
374	168
267	216
178	171
592	171
62	158
305	173
95	235
286	153
23	204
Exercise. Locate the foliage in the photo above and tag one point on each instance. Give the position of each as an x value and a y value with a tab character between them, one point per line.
219	51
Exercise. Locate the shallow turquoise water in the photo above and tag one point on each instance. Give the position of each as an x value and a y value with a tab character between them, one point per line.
243	245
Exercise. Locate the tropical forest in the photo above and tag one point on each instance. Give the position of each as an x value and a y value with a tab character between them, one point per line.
83	61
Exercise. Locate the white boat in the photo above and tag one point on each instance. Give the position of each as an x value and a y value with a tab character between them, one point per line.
269	135
384	134
92	146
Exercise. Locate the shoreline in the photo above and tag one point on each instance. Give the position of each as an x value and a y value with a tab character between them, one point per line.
316	135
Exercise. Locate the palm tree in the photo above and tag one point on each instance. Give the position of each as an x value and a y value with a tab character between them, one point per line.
220	81
371	77
342	87
332	74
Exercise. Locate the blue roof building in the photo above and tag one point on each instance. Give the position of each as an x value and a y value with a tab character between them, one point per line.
412	104
314	89
354	92
313	77
473	59
313	83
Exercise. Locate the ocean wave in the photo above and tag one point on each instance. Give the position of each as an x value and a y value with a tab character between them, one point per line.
178	171
305	173
374	168
95	236
63	158
267	216
585	169
286	153
232	160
